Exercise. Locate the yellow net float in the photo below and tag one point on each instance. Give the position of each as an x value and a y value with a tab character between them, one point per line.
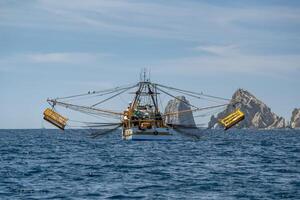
232	119
55	118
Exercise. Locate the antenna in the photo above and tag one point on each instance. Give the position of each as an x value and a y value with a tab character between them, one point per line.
145	71
145	75
141	75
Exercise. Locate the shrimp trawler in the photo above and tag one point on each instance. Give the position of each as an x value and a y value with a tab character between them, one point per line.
143	118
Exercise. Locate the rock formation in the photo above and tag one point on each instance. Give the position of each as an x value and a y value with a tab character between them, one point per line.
257	114
179	104
295	119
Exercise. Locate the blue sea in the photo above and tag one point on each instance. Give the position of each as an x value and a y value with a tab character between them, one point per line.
51	164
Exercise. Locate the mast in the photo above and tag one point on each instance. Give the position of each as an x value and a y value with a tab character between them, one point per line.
146	95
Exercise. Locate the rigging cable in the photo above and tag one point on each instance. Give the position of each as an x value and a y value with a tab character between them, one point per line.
84	108
96	92
177	98
126	89
194	110
101	133
195	96
196	93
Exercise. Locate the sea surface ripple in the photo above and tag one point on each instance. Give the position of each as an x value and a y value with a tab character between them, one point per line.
49	164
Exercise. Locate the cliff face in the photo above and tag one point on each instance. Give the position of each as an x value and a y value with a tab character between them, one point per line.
257	114
295	119
176	105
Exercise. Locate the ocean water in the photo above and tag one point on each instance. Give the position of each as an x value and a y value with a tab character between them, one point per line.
49	164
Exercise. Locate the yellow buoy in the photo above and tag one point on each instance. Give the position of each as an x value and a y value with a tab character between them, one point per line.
232	119
55	118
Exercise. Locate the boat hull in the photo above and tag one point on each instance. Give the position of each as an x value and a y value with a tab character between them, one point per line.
147	134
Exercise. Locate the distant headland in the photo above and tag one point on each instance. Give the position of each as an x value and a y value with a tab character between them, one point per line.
257	114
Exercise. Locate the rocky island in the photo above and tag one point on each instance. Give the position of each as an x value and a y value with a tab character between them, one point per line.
179	103
295	119
257	114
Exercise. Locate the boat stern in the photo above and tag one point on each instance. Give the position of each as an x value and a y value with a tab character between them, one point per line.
147	134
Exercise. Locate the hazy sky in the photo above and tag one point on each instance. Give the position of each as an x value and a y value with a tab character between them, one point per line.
52	48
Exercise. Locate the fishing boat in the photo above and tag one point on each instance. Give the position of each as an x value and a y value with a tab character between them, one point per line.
142	118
